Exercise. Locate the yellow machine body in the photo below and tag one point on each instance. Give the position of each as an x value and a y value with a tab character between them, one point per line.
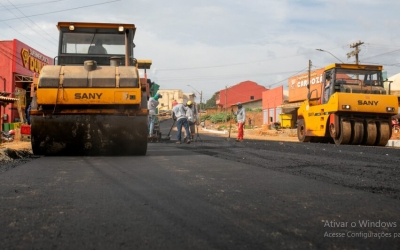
349	111
92	102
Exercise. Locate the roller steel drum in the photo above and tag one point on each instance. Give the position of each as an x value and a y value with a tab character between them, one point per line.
89	135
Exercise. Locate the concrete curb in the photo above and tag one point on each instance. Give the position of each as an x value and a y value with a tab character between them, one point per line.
214	131
393	143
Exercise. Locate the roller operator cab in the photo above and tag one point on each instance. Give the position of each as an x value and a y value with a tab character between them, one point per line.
352	107
92	101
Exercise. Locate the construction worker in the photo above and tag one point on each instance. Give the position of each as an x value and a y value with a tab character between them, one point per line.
98	48
327	88
241	119
179	115
152	106
191	115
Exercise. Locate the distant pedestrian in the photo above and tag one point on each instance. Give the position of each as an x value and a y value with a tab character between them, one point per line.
249	122
241	119
179	114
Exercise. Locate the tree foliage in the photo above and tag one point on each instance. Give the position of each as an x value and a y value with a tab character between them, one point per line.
210	103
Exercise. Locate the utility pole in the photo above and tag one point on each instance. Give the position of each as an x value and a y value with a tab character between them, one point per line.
356	51
309	79
201	95
201	99
226	96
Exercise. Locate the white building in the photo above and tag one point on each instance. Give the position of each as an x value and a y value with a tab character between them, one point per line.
171	95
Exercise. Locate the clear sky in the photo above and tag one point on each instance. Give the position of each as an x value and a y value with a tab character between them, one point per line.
211	44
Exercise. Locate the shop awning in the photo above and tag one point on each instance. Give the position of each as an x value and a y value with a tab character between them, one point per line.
8	99
22	78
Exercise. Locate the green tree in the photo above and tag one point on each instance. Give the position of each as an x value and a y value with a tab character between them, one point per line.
210	103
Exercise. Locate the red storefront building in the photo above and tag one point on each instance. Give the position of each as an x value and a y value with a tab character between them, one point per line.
18	65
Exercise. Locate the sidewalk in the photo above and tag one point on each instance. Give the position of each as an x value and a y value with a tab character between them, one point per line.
256	134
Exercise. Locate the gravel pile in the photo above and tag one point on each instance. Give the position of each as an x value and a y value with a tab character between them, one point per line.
10	158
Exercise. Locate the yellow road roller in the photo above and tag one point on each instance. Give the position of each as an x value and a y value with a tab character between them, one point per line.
91	102
352	107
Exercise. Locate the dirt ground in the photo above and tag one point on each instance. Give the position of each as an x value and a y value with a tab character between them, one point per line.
256	133
17	145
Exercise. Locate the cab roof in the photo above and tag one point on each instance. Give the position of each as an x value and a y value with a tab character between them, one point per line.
96	25
353	66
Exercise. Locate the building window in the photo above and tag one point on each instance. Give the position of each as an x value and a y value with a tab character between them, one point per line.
271	119
252	97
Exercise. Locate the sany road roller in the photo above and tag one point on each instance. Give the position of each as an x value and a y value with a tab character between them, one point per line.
352	107
91	102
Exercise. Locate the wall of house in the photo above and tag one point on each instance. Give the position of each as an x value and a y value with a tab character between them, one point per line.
253	105
271	100
242	92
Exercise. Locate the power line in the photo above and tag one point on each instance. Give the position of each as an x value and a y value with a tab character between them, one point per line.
223	77
26	37
9	55
53	12
27	23
397	50
34	4
288	77
381	45
234	64
237	64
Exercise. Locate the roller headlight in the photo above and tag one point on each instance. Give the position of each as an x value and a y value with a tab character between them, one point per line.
346	106
390	109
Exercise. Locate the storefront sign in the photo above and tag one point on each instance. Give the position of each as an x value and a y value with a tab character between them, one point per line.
33	60
298	85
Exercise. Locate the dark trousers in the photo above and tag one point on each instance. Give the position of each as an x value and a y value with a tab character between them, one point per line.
183	122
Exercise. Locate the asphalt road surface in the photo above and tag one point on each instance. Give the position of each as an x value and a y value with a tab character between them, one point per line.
210	194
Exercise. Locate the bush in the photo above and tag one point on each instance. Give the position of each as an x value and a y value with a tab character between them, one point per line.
222	127
218	117
254	110
205	117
